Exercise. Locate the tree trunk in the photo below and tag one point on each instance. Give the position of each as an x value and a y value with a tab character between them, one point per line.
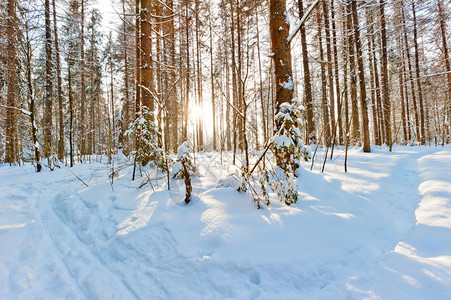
353	77
262	102
173	97
61	151
125	115
146	58
336	73
200	132
447	64
28	66
373	75
308	97
324	105
71	112
410	72
384	79
137	59
10	149
48	84
361	74
212	84
403	106
82	81
418	80
185	128
330	76
281	54
346	58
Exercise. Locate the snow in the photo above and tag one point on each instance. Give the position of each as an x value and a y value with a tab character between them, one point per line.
176	168
380	231
287	17
287	84
25	112
281	141
182	151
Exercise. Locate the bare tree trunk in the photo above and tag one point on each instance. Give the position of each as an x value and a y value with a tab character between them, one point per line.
227	115
336	73
48	123
10	149
28	67
412	86
279	31
126	114
353	77
262	102
384	72
185	128
200	142
361	75
418	80
308	98
403	106
174	96
234	80
373	96
212	74
71	112
82	81
324	105
373	76
329	73
146	58
59	87
111	121
406	94
137	58
378	108
242	106
447	65
345	74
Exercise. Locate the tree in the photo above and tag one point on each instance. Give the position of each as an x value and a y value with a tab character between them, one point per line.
308	97
281	54
10	149
61	151
82	124
146	80
418	79
48	114
361	75
353	74
384	73
446	58
28	34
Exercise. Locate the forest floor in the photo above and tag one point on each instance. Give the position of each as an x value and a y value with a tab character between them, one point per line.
380	231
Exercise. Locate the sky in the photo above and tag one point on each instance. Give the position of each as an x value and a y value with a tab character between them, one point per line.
108	13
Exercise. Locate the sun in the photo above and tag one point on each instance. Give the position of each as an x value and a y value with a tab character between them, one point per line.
196	112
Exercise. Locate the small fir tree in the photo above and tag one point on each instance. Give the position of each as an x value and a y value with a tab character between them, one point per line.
147	135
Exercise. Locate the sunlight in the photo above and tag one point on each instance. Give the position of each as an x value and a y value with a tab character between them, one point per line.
201	112
195	113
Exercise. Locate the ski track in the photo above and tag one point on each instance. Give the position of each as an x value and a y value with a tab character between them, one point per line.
101	250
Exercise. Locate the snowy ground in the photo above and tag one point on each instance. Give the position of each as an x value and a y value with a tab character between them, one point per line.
380	231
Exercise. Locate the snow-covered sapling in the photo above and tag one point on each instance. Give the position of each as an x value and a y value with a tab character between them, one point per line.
184	169
147	135
243	177
289	150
